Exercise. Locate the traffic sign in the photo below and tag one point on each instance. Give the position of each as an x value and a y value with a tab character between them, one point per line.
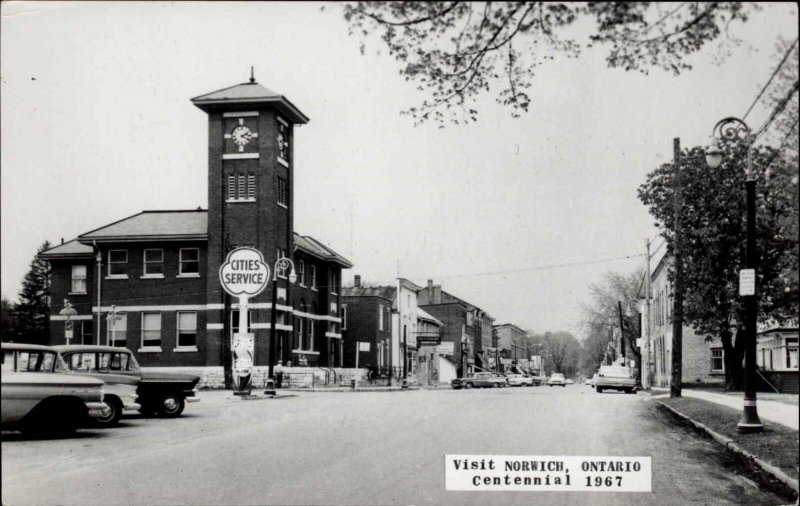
747	282
363	346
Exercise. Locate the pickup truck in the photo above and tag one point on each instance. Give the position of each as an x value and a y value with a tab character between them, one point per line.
161	393
480	380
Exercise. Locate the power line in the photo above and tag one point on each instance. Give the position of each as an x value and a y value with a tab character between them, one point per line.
778	109
791	48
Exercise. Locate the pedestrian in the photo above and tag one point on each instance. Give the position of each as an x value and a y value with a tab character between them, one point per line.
278	375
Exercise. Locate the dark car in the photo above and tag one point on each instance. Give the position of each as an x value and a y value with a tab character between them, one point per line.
161	393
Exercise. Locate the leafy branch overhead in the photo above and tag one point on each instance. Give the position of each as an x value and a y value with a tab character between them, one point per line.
457	51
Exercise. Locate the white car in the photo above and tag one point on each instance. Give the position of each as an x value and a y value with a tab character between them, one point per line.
557	379
519	380
41	397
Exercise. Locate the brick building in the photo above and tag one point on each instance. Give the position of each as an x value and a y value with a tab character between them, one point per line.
367	318
702	359
513	345
156	272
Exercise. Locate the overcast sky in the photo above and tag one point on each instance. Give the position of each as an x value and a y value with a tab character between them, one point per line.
97	125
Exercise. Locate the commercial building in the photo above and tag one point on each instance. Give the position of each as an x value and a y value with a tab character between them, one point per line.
150	281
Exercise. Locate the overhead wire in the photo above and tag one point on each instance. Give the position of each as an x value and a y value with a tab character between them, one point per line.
764	88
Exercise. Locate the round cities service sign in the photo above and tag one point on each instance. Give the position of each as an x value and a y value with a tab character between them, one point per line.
244	273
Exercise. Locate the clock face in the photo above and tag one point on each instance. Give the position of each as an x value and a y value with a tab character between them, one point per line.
241	135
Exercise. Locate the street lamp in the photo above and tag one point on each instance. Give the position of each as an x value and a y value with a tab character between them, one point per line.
731	129
280	266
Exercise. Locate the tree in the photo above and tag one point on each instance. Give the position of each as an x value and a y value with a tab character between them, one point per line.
456	51
559	349
8	326
713	240
601	316
32	313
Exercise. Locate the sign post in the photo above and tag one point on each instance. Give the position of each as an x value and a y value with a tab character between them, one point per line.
69	312
243	275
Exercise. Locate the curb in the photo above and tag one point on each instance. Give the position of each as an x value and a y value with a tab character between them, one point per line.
731	445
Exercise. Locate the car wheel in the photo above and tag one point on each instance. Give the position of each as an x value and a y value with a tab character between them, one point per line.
599	390
496	385
54	419
113	417
171	405
629	391
468	385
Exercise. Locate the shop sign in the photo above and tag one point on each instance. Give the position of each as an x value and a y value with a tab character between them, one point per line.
244	273
445	348
428	340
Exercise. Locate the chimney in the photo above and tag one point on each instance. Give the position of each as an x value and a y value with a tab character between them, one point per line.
62	240
357	280
437	294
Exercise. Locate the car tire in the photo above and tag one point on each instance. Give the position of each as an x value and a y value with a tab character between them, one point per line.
599	390
171	405
496	385
468	385
54	419
113	418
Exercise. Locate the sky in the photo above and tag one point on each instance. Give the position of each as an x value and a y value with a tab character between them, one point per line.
518	216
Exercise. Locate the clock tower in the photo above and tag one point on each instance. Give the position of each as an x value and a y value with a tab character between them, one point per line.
250	187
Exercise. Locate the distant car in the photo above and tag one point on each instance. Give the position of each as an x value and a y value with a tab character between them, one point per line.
612	377
593	380
41	397
569	381
538	380
105	364
161	393
587	381
557	379
519	380
480	380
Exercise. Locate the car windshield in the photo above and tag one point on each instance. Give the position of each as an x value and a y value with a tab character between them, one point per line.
557	375
615	372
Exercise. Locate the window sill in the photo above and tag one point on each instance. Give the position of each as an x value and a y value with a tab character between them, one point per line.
237	201
191	275
77	293
283	205
185	350
152	276
149	349
117	276
283	162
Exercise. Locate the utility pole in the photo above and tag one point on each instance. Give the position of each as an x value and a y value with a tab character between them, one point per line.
621	331
677	310
646	366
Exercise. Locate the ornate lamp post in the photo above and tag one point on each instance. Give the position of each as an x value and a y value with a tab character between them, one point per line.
731	129
280	266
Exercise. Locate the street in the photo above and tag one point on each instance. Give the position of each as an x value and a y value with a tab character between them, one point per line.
364	448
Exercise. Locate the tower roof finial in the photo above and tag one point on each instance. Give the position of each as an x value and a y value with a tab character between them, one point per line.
252	75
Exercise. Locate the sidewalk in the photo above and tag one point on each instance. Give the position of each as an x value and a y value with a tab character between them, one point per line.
771	454
777	411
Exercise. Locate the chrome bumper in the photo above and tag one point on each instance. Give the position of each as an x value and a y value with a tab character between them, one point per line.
193	397
97	409
133	406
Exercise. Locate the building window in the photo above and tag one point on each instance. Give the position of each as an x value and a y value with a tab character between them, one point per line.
189	261
717	364
242	186
117	332
311	329
87	331
313	276
333	282
301	273
283	141
78	279
299	343
117	260
380	316
343	315
283	192
281	253
791	353
154	262
187	329
151	330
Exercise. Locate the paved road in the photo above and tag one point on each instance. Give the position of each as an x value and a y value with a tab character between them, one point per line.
365	448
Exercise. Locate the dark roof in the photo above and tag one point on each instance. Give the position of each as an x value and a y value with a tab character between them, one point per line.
316	249
385	292
69	249
250	94
153	226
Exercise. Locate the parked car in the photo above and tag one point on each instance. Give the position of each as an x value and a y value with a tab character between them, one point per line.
587	381
538	380
594	379
569	381
41	397
105	365
519	380
612	377
480	380
161	393
557	379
